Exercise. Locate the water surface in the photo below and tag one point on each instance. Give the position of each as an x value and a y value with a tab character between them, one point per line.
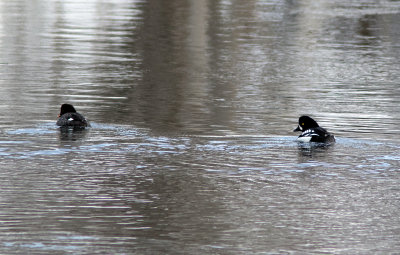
192	106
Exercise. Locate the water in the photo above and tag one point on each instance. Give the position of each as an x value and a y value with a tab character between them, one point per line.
192	106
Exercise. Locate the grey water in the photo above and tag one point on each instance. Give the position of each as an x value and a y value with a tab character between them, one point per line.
192	106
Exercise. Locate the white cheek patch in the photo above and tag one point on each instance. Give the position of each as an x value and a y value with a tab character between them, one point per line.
70	119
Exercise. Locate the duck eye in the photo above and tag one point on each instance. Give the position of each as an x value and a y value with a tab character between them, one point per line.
302	124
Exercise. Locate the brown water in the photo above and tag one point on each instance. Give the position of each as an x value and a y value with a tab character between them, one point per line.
192	104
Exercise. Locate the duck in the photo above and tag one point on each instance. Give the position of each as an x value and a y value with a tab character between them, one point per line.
312	132
68	117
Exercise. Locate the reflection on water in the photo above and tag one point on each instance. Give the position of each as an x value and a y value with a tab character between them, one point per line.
134	191
313	149
72	134
192	105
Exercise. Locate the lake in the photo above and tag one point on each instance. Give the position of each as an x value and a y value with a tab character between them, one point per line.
192	106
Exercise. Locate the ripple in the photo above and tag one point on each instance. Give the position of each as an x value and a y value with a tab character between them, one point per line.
31	131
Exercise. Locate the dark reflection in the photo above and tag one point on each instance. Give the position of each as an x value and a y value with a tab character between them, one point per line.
173	90
72	133
367	24
312	149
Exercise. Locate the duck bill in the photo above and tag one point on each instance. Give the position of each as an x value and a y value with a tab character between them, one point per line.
297	129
